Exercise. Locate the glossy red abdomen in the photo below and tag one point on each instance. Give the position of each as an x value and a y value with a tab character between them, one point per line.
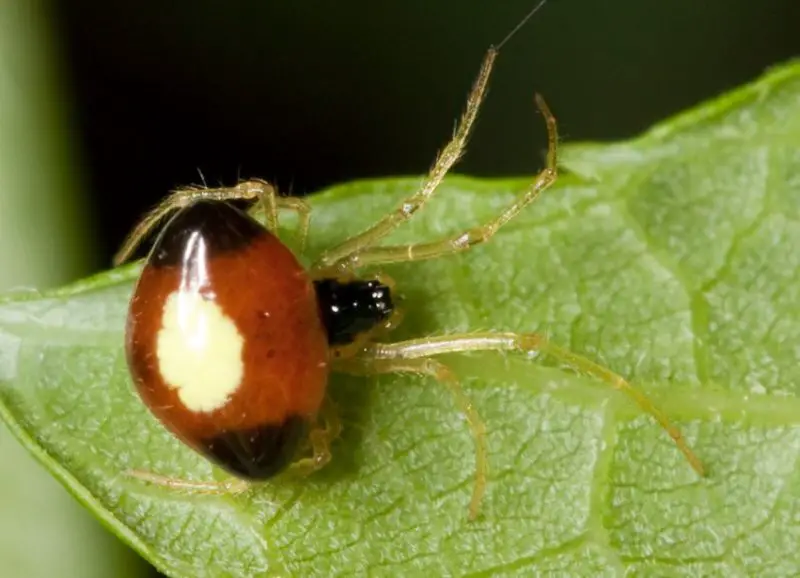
225	342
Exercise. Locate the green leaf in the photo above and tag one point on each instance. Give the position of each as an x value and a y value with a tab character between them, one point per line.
43	532
671	259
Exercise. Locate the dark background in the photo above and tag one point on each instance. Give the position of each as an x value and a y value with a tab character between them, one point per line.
316	92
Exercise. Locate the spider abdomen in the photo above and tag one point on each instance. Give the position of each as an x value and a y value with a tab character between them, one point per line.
225	340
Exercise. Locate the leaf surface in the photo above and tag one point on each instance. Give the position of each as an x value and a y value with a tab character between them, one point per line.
43	532
670	259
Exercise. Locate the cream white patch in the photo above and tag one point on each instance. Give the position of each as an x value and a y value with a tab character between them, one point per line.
199	351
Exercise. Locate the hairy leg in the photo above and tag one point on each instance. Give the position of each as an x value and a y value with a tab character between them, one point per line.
424	348
340	257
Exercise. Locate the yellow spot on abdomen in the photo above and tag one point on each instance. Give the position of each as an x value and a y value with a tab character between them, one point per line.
199	351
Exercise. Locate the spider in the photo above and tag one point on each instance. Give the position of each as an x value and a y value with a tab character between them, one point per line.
230	340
